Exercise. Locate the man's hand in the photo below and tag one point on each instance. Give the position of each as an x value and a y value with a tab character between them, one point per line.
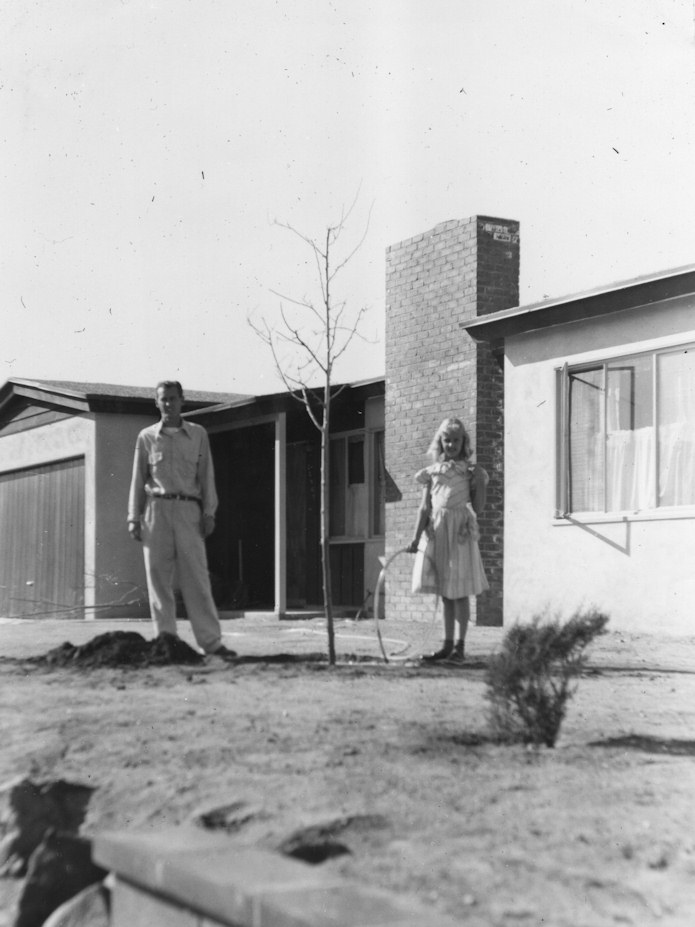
135	530
208	525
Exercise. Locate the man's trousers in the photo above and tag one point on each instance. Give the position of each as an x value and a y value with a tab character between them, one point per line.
173	546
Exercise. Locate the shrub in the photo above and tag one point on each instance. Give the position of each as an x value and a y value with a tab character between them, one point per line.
531	679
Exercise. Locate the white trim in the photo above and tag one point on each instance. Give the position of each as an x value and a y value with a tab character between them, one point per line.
665	343
574	519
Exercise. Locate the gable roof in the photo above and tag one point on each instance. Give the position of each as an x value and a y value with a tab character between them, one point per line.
629	294
77	396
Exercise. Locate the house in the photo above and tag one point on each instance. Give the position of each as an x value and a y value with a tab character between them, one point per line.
66	453
599	460
581	409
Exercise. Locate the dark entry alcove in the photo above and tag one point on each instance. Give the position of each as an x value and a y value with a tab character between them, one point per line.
241	550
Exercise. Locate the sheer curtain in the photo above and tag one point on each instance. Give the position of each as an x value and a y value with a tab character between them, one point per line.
630	463
630	459
676	378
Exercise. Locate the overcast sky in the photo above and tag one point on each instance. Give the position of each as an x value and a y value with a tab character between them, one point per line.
146	149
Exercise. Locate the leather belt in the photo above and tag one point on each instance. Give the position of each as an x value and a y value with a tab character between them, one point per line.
182	497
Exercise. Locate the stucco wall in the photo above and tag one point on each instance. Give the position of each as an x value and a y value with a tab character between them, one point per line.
113	568
119	572
71	437
638	569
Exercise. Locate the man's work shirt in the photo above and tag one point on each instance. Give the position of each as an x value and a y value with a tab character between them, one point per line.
172	461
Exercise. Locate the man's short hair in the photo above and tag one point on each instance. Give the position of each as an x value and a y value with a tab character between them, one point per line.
169	384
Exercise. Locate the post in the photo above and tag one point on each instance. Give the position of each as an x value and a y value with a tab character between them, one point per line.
281	514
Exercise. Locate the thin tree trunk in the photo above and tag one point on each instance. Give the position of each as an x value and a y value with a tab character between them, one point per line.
325	547
322	356
325	460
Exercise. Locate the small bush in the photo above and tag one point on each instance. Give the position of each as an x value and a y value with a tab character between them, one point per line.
531	679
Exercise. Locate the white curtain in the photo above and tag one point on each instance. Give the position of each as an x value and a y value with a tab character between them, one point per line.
677	459
676	373
630	470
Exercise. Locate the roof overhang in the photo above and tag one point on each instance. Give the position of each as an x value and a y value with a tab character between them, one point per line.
254	408
631	294
76	398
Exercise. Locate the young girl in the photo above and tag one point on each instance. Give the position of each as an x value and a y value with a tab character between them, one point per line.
446	533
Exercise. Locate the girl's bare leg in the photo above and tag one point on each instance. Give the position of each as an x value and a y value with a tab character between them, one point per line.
461	615
449	626
449	608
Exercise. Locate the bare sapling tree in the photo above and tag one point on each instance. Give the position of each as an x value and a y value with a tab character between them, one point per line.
307	340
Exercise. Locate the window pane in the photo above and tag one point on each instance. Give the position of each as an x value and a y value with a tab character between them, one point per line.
676	392
630	459
355	461
586	440
336	519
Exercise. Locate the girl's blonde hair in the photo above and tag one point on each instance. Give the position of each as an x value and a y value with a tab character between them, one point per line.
435	451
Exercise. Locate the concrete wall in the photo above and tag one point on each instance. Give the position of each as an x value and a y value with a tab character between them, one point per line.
119	572
182	877
435	282
637	568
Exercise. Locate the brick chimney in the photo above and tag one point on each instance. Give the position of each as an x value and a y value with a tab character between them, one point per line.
436	281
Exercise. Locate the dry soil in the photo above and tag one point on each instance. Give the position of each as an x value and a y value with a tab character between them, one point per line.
598	831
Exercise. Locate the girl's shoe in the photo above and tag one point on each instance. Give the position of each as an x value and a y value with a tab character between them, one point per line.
455	658
438	655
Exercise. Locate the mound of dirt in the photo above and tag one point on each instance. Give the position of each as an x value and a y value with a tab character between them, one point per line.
123	648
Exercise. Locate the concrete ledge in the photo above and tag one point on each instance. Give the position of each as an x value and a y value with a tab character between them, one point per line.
184	876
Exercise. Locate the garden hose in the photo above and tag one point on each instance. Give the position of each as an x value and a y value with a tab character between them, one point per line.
377	593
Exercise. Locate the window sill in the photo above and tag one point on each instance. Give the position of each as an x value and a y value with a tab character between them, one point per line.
681	513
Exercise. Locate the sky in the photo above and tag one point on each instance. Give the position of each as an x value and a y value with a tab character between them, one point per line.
153	153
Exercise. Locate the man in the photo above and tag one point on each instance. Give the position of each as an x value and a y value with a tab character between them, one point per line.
171	509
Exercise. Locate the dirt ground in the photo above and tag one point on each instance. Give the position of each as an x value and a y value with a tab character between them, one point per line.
598	831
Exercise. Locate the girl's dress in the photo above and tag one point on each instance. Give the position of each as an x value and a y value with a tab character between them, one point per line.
448	561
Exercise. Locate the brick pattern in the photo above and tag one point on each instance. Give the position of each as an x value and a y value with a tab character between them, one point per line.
436	281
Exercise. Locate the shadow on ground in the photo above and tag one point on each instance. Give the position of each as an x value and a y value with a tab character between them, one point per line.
662	745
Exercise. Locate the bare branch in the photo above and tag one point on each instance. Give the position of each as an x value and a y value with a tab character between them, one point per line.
301	341
357	247
309	409
318	254
301	304
340	351
338	390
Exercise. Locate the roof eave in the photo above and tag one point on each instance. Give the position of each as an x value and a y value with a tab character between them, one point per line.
646	291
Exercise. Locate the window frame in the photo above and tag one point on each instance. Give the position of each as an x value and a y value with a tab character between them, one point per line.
369	439
563	481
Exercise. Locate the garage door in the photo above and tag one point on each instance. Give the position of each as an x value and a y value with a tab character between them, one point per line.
42	541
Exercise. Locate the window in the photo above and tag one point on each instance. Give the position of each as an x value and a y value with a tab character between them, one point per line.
355	449
357	484
628	433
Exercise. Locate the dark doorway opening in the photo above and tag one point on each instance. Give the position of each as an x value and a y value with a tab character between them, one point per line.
241	552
